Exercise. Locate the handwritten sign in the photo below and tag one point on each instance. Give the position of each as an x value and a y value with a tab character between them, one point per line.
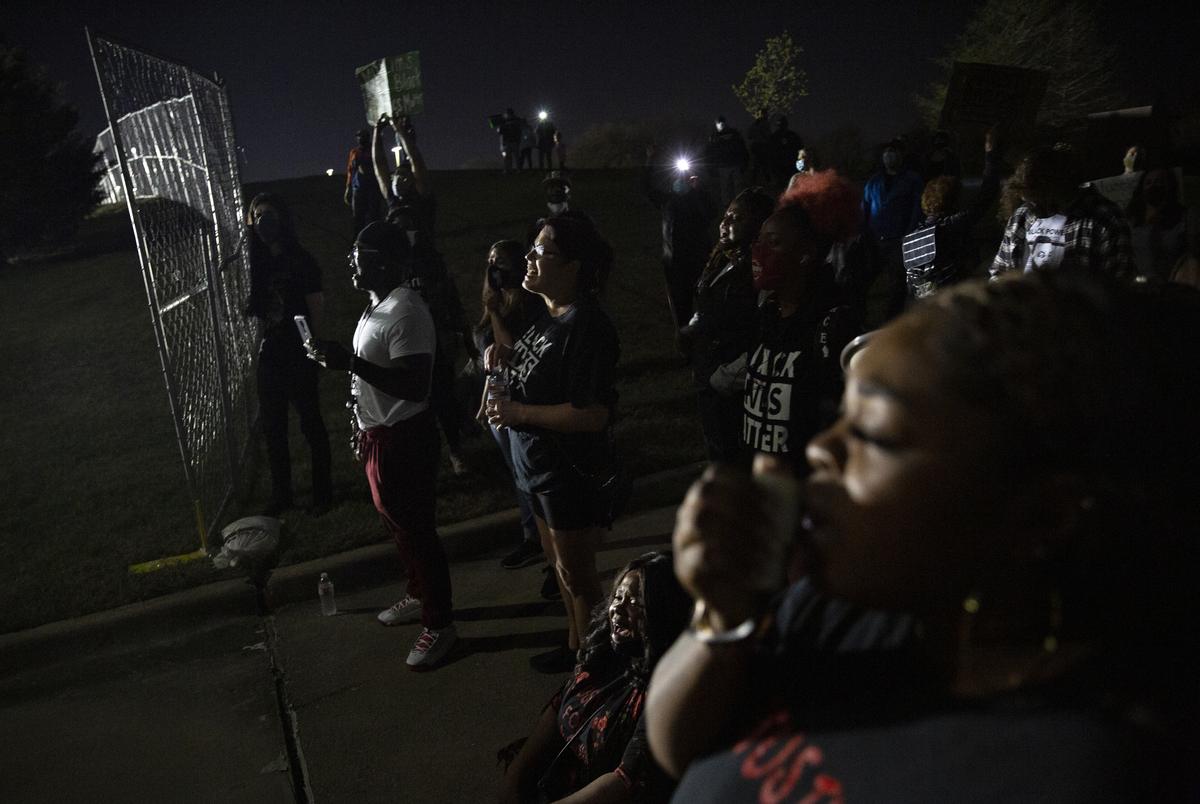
392	86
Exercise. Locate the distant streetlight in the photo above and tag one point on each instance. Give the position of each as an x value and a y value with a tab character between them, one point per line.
543	114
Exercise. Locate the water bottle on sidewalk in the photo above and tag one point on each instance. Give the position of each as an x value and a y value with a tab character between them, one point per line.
325	592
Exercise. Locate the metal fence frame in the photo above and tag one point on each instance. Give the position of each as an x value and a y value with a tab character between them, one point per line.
193	173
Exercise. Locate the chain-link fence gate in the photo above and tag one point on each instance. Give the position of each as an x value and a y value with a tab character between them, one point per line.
171	137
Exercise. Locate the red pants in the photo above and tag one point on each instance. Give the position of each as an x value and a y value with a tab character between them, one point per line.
401	463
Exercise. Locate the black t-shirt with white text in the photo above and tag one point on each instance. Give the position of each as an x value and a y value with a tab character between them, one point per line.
794	378
572	358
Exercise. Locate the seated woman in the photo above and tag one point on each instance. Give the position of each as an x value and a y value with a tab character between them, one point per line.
589	743
1000	545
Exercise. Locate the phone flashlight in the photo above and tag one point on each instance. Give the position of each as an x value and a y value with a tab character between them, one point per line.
683	165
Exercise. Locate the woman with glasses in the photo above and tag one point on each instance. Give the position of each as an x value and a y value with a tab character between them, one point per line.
562	399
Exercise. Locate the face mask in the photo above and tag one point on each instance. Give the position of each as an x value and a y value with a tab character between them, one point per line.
799	165
720	126
768	267
557	207
891	160
412	236
267	227
495	277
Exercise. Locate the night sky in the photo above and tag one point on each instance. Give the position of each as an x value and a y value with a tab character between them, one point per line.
289	67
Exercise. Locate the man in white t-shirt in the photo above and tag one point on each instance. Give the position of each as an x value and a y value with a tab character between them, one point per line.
391	371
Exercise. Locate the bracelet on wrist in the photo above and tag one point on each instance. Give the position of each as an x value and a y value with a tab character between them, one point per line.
702	631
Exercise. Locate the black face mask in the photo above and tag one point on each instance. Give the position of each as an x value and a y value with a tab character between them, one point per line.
268	227
498	280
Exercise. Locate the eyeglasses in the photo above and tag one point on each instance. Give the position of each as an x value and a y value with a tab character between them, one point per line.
352	257
540	251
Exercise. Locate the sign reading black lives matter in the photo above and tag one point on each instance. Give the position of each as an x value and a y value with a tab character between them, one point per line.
392	86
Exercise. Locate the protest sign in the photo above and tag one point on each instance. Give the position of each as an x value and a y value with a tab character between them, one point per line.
392	86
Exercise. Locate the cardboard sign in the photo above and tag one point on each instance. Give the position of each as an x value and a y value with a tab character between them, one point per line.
392	86
982	95
1119	189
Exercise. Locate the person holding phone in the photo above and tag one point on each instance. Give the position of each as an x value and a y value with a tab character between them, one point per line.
391	374
285	282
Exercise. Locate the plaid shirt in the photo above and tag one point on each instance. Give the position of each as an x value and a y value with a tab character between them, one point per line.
1096	234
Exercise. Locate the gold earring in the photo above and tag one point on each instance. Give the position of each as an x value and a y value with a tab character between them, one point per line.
1050	641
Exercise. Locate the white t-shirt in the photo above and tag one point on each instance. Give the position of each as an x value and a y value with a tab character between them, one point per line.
1045	243
399	326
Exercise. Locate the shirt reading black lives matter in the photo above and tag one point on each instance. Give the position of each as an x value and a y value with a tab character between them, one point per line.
572	358
794	378
841	707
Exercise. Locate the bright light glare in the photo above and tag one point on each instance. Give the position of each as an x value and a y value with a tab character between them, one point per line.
543	114
328	171
683	165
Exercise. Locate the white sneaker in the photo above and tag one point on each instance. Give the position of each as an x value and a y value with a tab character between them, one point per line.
432	646
406	610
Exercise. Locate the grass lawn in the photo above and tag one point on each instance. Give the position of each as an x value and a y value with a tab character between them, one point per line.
91	475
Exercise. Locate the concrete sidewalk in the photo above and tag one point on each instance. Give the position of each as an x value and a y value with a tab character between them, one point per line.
222	694
368	729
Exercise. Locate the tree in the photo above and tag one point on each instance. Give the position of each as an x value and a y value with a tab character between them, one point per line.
776	81
1059	37
48	170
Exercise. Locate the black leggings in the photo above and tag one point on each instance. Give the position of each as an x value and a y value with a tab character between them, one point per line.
287	376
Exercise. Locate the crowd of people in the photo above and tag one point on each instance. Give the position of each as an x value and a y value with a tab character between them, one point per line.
943	549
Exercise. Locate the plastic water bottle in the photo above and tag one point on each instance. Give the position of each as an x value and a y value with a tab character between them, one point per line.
325	592
497	387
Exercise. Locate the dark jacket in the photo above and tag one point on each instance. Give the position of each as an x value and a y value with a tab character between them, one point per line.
725	321
941	250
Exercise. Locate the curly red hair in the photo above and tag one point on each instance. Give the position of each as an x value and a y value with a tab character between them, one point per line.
829	201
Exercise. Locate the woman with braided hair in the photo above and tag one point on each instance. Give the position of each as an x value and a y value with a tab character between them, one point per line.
1000	548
